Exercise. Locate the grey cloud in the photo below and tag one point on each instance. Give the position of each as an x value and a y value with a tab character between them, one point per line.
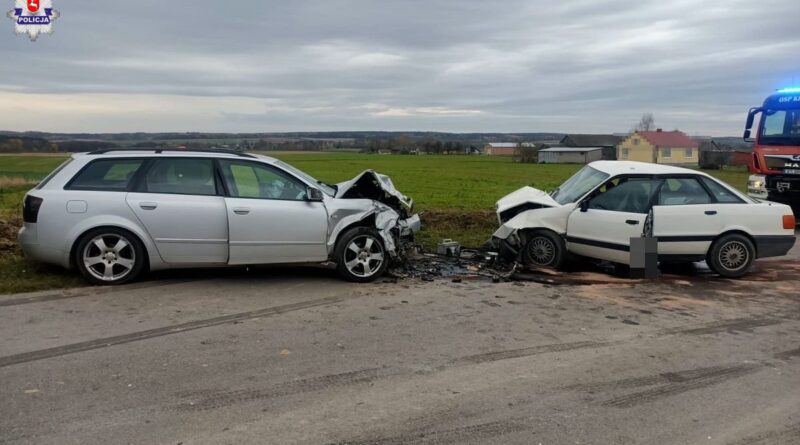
581	65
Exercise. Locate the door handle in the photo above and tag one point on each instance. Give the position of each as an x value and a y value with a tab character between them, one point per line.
241	210
148	205
632	222
711	212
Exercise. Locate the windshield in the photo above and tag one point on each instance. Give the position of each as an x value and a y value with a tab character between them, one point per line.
780	127
578	185
328	190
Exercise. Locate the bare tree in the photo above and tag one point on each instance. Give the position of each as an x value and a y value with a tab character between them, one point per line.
526	153
646	123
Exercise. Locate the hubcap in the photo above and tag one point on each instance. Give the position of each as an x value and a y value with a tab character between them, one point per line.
542	251
733	255
364	256
109	257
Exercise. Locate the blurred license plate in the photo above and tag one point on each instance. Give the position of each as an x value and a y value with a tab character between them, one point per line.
792	171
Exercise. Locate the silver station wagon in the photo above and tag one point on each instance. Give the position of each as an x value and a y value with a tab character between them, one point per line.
114	214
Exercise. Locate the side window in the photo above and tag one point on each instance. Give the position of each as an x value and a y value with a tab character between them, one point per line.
721	193
682	191
631	195
250	180
106	175
181	176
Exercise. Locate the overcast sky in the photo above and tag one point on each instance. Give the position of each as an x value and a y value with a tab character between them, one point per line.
461	65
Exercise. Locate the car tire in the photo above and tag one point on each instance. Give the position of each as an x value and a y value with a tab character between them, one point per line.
360	255
731	255
110	256
544	249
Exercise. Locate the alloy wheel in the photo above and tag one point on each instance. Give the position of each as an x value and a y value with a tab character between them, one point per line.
109	257
542	250
364	256
733	255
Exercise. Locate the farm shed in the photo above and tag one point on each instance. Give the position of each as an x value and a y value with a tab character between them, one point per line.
570	155
500	148
608	142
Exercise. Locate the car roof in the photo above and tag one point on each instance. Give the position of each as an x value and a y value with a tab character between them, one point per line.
614	168
159	152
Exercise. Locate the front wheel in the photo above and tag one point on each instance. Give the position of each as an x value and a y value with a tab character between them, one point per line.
109	256
360	255
544	249
731	256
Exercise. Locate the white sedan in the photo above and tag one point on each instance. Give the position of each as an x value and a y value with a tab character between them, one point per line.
597	211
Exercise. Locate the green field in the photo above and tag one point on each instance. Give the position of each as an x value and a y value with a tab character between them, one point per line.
455	194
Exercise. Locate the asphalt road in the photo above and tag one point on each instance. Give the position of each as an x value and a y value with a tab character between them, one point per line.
297	356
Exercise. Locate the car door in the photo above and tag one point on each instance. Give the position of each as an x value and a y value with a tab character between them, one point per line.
179	202
602	226
686	217
270	218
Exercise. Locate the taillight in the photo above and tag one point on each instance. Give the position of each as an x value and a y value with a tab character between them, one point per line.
30	208
788	222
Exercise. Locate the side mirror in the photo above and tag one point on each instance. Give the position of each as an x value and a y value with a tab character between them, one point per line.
751	115
584	205
314	194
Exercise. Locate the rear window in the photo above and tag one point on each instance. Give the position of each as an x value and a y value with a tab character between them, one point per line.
52	174
106	175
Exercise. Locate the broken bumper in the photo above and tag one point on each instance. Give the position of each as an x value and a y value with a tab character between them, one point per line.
394	230
410	226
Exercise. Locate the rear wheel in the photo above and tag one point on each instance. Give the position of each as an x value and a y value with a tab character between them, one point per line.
544	249
360	255
109	256
731	255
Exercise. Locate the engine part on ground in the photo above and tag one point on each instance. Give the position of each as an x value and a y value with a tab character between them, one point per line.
449	248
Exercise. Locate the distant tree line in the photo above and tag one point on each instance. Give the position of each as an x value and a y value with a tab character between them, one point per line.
10	144
406	145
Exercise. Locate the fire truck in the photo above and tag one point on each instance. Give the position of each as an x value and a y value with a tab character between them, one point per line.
775	165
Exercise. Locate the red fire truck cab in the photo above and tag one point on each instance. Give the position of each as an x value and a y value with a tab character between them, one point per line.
775	165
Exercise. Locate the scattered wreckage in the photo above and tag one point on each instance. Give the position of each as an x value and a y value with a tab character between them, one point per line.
629	217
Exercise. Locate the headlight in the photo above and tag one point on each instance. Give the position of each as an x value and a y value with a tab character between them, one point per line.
756	182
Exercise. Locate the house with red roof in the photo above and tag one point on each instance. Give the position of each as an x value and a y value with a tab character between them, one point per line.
659	147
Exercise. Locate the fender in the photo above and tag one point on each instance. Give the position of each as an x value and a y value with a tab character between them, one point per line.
552	218
156	262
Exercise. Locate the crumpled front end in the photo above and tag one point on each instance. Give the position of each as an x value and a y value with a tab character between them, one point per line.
371	199
525	210
377	187
521	200
396	232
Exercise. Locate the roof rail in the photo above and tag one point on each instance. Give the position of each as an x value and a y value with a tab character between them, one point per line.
161	150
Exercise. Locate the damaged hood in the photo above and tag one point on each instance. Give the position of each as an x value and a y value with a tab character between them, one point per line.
372	185
525	195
